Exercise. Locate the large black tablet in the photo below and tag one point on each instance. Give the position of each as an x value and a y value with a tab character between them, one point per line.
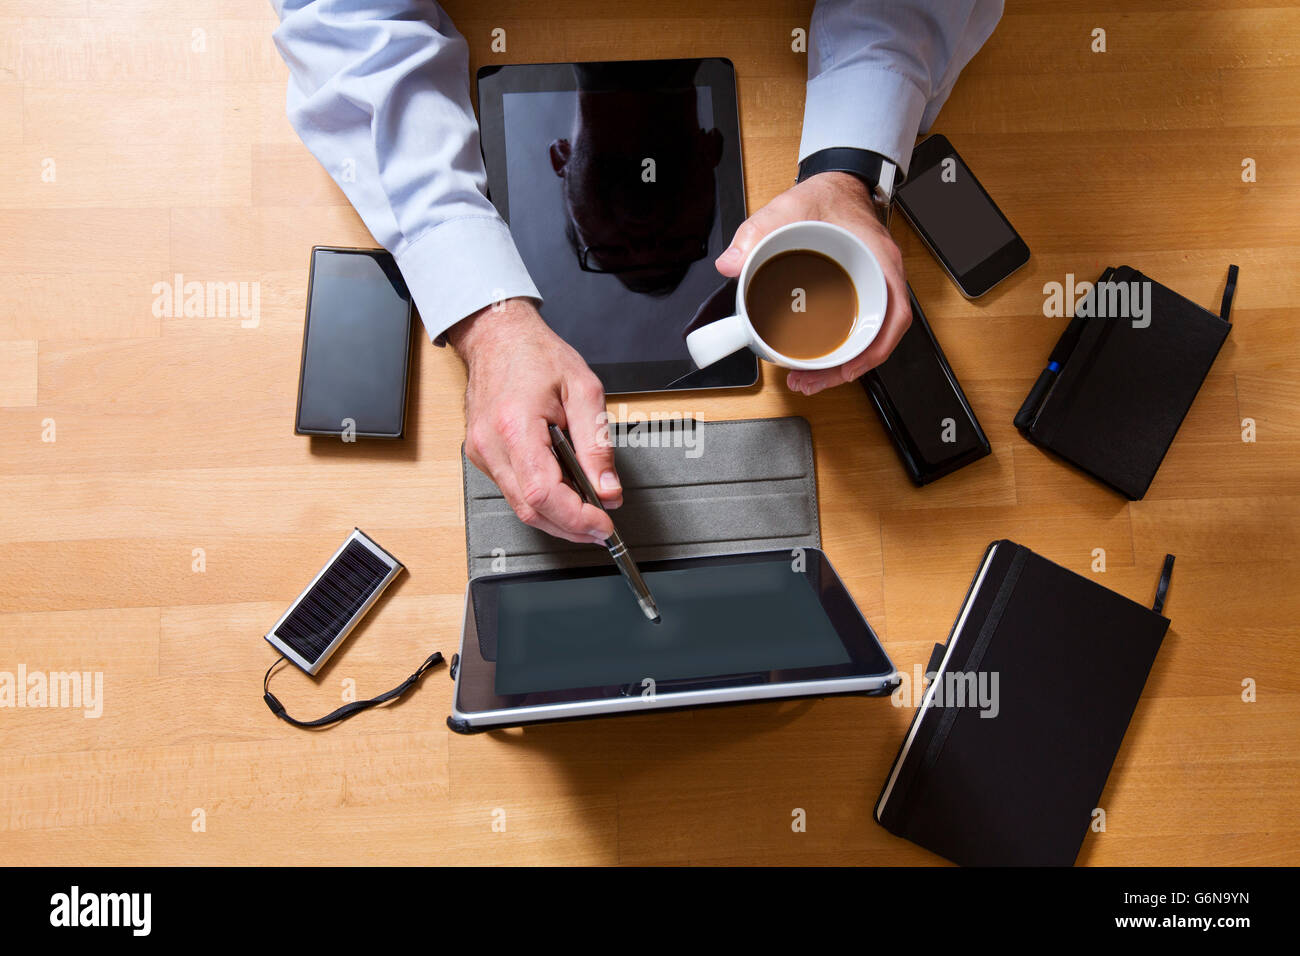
551	645
621	182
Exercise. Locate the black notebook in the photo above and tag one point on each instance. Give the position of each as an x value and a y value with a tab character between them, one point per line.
1009	751
1123	376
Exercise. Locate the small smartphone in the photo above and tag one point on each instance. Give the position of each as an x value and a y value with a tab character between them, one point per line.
957	219
922	406
356	345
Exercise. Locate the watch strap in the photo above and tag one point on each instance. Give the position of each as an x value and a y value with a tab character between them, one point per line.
877	171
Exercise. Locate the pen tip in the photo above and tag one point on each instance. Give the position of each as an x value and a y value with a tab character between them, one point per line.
648	608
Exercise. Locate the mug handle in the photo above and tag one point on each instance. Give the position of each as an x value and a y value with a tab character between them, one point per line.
715	341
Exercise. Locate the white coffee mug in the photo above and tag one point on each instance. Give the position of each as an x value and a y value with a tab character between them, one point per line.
715	341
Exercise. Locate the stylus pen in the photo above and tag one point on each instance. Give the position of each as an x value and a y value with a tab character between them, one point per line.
617	549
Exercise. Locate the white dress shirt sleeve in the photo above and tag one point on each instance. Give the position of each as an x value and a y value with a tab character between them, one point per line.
379	92
879	71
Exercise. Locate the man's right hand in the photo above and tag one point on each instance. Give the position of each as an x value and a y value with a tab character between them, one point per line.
522	377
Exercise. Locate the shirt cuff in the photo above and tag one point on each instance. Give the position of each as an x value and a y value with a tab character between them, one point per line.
461	266
863	107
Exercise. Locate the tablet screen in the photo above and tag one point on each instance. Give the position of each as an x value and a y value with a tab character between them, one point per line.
621	183
736	620
728	619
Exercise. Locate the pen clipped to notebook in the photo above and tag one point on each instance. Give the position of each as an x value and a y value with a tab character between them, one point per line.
617	549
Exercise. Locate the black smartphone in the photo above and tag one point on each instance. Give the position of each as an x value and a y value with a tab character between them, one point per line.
958	220
922	406
356	346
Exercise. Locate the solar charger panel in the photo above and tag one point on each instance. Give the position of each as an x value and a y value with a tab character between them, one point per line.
325	613
340	594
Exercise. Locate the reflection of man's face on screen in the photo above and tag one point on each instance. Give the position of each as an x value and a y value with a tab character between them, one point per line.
638	180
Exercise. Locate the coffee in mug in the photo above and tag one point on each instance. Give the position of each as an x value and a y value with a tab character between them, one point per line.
802	303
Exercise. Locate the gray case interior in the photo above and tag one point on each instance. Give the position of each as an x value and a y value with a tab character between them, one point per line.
751	487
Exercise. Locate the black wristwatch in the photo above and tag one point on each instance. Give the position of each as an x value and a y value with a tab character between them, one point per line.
877	171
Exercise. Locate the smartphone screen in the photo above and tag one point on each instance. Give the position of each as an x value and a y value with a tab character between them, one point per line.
356	346
958	220
923	406
923	396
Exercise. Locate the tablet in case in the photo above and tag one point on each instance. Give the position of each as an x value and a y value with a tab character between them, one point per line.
564	644
697	494
1028	702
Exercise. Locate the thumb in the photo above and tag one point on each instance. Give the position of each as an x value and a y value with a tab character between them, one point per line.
747	236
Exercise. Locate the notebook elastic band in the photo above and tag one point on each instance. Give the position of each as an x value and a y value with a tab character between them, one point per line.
1162	588
1229	290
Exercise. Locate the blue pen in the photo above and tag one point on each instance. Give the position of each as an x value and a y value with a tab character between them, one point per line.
1047	377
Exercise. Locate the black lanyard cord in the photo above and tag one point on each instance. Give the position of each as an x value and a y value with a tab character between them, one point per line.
347	710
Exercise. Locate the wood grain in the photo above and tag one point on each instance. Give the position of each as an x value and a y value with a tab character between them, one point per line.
174	433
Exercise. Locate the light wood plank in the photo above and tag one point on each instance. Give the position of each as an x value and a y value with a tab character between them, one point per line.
18	373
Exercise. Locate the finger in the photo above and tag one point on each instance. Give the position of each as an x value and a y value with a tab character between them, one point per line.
543	493
514	497
588	424
898	311
747	236
490	457
898	318
812	382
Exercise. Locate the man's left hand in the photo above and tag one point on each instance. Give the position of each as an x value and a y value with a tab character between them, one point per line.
844	200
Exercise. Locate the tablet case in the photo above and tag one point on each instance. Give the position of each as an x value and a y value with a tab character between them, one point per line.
923	458
751	485
1114	393
1019	787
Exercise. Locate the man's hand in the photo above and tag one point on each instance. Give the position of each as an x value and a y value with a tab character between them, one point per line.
522	377
844	200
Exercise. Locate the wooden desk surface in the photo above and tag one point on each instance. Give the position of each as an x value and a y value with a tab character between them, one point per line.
169	153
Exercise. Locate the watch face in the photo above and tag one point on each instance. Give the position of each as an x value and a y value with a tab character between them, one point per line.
882	204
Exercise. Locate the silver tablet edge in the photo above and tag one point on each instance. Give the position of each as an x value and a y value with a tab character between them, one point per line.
591	708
